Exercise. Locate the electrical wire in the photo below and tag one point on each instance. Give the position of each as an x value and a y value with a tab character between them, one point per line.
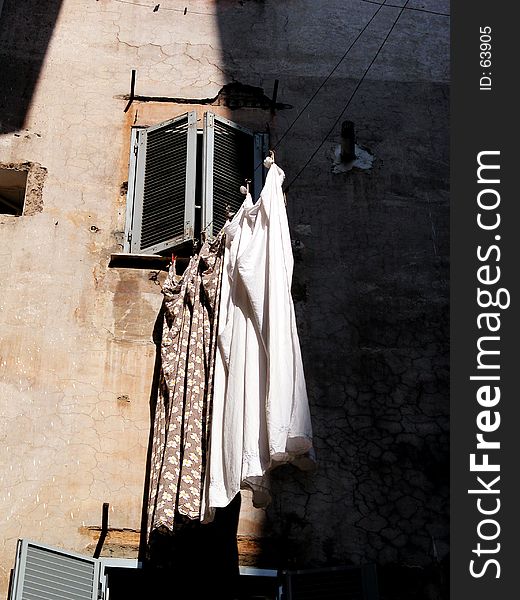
184	11
350	98
330	74
424	10
335	68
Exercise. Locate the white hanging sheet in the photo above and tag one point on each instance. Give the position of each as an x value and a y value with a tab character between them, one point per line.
260	416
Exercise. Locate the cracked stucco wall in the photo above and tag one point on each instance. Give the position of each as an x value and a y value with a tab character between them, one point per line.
371	292
76	350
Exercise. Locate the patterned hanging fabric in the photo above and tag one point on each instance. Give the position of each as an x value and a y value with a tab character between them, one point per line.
183	409
231	366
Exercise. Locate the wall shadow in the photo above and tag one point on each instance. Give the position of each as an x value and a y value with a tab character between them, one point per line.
371	277
25	32
372	297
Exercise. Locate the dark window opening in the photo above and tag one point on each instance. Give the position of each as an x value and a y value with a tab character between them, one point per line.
198	186
13	183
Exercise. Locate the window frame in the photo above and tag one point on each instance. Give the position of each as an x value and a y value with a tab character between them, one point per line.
100	587
136	186
134	196
120	563
20	569
100	583
259	141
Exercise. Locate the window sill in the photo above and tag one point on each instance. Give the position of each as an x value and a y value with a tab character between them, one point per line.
127	260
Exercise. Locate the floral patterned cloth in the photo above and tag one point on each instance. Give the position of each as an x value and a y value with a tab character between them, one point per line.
183	410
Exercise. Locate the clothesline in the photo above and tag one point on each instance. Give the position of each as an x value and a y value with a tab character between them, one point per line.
351	97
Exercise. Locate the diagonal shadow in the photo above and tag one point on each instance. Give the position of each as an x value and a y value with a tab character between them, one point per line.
25	32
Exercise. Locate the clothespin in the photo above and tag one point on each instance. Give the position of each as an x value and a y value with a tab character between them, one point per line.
229	214
173	266
269	160
244	189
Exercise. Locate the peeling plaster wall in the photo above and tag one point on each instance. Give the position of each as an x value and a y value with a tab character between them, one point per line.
76	350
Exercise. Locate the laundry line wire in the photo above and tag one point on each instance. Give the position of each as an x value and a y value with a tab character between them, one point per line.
415	9
335	68
320	87
350	98
184	11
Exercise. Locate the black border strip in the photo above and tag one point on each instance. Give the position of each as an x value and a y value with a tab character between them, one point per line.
484	119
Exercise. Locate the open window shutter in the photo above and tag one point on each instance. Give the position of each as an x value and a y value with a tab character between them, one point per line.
45	573
164	190
231	154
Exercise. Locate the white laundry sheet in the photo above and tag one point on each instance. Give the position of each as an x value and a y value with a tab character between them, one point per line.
260	415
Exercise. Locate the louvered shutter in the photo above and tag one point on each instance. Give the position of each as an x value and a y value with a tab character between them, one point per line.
45	573
164	188
231	154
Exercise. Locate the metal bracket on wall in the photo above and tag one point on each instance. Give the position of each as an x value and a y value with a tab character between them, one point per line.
104	530
132	92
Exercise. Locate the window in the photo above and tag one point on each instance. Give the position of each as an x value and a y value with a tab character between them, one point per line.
21	188
12	190
356	583
184	180
49	573
46	573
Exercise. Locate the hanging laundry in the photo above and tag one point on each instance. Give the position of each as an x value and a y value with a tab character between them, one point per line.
180	428
232	402
260	413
